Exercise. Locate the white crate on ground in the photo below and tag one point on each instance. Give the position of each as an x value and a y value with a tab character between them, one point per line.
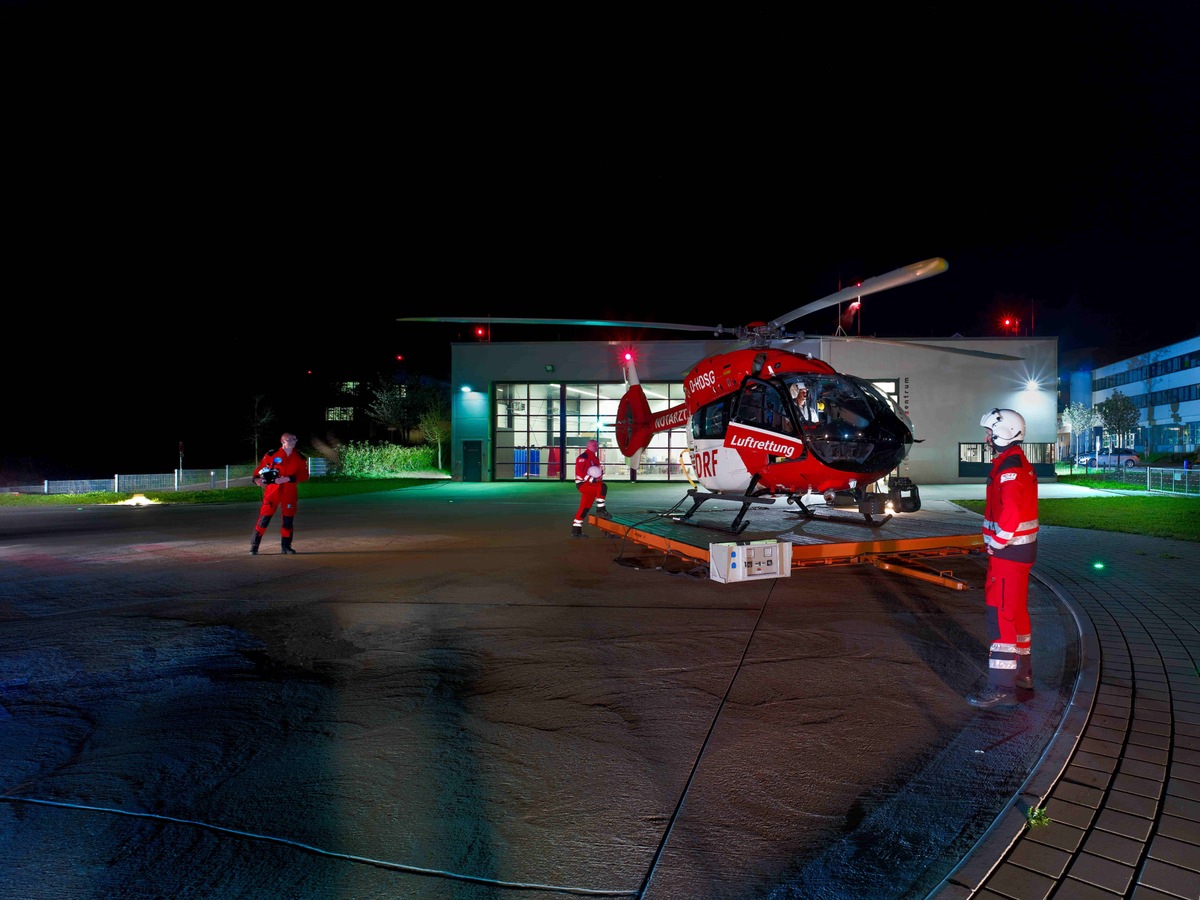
749	560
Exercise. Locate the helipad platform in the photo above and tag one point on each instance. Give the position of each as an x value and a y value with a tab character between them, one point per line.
912	543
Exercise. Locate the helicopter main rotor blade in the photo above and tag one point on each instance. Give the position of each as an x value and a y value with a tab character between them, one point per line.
895	278
598	323
789	343
979	354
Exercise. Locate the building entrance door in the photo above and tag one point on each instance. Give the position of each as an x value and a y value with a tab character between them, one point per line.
472	460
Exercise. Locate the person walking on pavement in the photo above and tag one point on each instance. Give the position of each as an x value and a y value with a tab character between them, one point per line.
589	481
278	474
1010	531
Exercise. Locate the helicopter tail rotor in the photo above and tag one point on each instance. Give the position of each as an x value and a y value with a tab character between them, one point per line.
634	424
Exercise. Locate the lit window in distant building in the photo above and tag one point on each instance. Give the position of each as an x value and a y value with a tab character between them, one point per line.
349	387
339	414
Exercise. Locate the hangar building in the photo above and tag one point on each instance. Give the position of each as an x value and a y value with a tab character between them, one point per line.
522	411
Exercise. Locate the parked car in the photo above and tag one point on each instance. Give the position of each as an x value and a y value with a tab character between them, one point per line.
1111	456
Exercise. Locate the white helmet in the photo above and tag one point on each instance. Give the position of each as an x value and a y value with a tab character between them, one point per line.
1007	426
595	472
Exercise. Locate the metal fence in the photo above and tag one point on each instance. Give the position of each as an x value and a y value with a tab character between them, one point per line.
1167	480
1131	475
1185	482
179	480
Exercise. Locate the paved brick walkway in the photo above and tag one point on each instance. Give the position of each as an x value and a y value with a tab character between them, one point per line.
1121	779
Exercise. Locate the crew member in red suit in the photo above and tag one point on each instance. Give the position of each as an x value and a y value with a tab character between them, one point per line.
589	480
278	474
1010	531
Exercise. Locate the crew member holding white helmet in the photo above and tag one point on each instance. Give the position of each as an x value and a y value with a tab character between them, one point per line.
1010	530
589	480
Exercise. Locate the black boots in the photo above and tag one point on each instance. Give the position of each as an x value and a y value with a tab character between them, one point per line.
577	531
603	513
285	545
1025	682
992	697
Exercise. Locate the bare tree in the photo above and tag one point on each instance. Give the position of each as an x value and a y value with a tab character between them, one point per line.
434	422
1119	416
259	420
390	408
1081	418
401	401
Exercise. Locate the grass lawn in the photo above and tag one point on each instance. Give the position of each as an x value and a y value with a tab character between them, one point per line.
316	487
1152	514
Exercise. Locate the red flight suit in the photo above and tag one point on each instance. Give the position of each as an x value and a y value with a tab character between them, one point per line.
285	495
1010	530
590	490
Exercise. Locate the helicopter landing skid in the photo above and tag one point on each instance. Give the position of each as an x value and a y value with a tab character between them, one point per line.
747	500
868	507
867	520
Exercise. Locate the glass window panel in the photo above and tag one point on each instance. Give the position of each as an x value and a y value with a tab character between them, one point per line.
527	420
1039	452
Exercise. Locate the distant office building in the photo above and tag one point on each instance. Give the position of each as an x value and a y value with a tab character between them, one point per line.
1164	384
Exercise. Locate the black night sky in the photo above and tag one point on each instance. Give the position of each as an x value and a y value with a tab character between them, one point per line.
170	260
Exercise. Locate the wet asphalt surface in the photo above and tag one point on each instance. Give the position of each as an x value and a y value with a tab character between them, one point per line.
444	695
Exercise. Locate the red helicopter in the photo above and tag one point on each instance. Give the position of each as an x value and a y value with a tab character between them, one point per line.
768	424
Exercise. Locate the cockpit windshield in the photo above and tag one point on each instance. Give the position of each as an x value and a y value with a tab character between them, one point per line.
829	398
848	423
845	422
879	399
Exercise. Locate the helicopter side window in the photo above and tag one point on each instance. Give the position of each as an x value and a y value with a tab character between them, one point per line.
710	421
762	405
750	405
